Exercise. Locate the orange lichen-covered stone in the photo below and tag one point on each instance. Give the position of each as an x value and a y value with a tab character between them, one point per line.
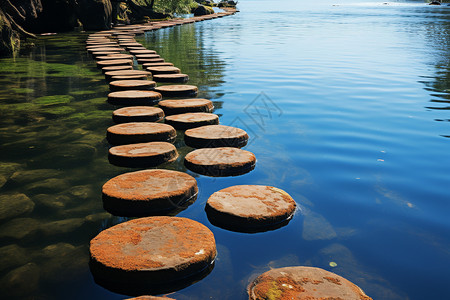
192	120
250	207
303	283
225	161
138	114
125	85
143	154
163	70
134	97
148	192
178	90
213	136
152	251
173	107
140	132
172	78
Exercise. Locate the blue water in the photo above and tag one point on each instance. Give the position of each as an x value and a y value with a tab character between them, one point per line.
347	107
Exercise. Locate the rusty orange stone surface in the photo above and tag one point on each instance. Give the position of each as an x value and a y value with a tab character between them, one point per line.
163	70
142	155
303	283
125	85
217	162
250	207
172	107
156	249
148	192
213	136
138	114
179	90
192	120
140	132
134	98
172	78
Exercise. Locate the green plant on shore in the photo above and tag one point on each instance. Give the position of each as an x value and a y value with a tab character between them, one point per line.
167	6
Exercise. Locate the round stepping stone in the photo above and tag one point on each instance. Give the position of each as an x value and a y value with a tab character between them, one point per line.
132	77
103	53
146	51
133	98
100	43
213	136
114	56
192	120
108	75
148	192
150	60
142	155
130	44
173	107
178	90
152	255
138	114
250	208
125	85
97	49
220	162
149	56
163	70
114	62
136	48
159	64
172	78
116	68
140	132
303	283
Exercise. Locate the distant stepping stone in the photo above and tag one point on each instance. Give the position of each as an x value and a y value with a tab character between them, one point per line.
138	114
114	62
220	162
136	48
146	51
172	78
173	107
116	68
303	283
125	85
192	120
147	192
158	64
130	44
149	56
142	155
109	75
178	90
97	49
152	255
250	208
213	136
131	77
100	43
103	53
140	132
163	70
133	98
114	56
149	60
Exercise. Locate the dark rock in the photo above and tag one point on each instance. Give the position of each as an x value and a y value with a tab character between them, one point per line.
14	205
19	228
12	256
61	226
20	282
95	14
47	186
54	202
202	10
28	176
9	39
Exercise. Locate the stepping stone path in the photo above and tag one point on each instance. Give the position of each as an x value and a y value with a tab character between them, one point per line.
143	154
117	68
114	62
149	60
213	136
138	114
172	78
140	132
149	56
250	208
158	64
148	192
110	74
177	90
192	120
114	56
303	283
131	77
125	85
149	252
143	51
134	97
219	162
163	70
172	107
103	53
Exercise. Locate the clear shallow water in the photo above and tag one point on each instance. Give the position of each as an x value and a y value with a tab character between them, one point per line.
347	109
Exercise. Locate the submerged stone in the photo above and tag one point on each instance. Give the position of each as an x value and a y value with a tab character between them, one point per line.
28	176
20	282
303	283
47	186
13	256
14	205
61	227
148	192
54	202
152	252
53	100
19	228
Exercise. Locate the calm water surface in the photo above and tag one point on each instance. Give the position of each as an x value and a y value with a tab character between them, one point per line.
348	107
